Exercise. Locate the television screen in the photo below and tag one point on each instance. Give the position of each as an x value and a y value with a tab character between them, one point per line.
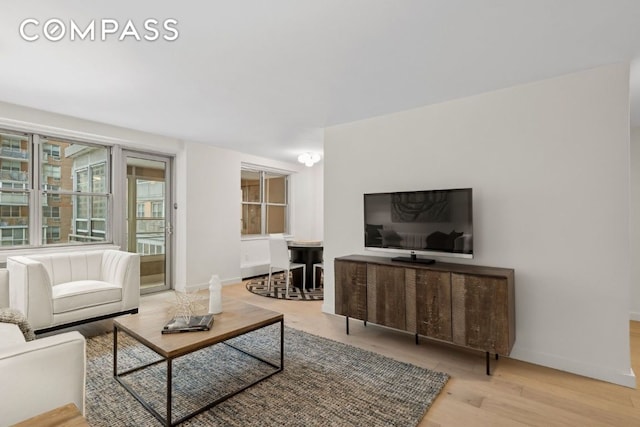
435	222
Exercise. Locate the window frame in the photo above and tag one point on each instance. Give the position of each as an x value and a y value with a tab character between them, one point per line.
264	172
37	189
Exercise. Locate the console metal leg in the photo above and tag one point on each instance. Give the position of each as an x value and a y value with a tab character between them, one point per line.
488	364
347	322
417	342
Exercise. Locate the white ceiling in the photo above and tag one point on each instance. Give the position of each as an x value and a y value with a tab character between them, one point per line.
266	76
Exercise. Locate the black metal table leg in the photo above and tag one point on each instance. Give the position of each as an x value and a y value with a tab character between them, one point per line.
115	351
167	420
169	387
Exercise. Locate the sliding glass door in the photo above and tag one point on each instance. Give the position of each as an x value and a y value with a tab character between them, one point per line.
148	224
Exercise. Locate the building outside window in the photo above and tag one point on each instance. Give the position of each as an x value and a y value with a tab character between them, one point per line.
71	190
50	150
51	211
150	219
52	234
51	171
157	209
265	201
15	168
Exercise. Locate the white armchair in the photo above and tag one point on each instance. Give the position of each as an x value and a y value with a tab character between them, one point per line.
39	375
64	289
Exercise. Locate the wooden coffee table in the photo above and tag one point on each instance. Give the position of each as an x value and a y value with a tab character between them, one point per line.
237	318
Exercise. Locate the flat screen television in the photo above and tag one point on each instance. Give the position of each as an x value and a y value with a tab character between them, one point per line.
430	222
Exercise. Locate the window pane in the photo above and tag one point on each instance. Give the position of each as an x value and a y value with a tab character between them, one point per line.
251	219
51	234
14	161
73	166
14	220
275	188
82	206
250	185
140	210
14	175
74	219
98	178
99	207
276	219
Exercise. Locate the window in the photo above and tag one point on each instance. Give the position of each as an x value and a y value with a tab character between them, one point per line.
52	235
14	236
70	188
74	180
10	211
51	211
157	209
15	210
50	150
264	201
50	172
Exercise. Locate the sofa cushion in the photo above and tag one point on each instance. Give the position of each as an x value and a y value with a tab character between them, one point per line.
4	287
72	266
10	335
14	317
84	293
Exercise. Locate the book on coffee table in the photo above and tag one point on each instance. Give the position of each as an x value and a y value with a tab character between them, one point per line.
188	324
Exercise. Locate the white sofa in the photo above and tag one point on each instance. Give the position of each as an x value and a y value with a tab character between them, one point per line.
70	288
40	375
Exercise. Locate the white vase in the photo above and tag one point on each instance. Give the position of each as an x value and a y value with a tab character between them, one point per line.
215	295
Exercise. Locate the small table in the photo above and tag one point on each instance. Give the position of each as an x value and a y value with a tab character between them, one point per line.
237	318
307	253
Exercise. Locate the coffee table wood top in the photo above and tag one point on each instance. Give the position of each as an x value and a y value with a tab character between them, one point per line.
237	318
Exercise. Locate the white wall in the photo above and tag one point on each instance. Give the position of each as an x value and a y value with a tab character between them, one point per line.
634	225
549	166
213	243
207	220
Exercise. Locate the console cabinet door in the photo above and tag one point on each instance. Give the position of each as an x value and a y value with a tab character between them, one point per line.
433	304
386	303
480	312
351	289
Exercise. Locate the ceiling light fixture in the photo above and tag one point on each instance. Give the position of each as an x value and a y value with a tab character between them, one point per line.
309	158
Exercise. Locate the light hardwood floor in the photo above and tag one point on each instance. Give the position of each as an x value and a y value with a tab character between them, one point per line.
516	394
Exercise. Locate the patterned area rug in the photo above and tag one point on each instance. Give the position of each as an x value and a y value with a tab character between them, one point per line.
324	383
258	286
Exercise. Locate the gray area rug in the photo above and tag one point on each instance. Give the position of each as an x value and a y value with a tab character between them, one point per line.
324	383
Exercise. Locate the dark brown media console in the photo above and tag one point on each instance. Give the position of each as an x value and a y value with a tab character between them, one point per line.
467	305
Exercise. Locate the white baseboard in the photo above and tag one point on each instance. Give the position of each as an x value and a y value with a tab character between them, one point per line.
253	270
634	315
199	286
326	308
620	377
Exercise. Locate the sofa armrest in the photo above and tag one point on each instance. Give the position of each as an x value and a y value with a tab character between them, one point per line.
123	269
30	290
41	375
